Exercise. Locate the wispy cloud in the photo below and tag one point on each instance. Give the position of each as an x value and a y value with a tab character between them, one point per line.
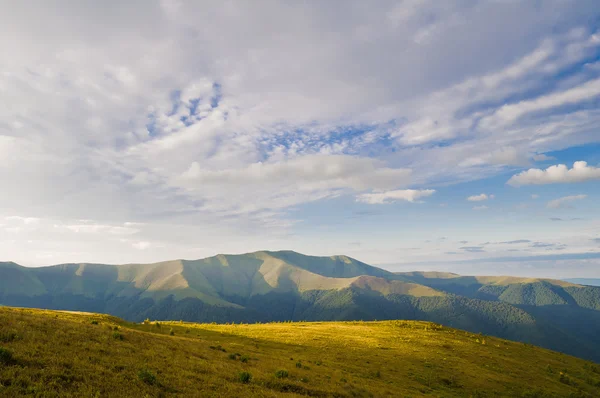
480	197
564	201
409	195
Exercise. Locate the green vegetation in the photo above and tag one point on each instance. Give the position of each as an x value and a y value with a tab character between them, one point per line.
63	354
288	286
244	377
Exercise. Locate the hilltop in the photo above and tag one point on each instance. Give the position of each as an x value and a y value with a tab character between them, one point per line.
279	286
48	353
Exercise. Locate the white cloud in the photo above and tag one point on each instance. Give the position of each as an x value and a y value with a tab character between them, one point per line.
409	195
535	196
24	220
313	171
141	245
556	174
562	202
483	207
480	197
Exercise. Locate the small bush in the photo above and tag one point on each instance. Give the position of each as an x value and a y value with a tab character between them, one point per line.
564	378
232	356
117	336
244	377
281	374
157	324
244	359
171	332
6	356
147	377
299	365
94	322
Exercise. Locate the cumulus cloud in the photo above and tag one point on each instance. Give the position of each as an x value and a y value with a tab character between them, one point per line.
480	197
556	174
409	195
564	201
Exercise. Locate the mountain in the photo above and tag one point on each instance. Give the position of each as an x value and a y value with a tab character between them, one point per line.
278	286
584	281
65	354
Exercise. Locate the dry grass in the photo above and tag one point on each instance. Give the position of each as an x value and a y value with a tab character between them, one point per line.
67	354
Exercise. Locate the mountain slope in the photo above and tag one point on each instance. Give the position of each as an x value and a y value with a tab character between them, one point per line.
585	281
278	286
74	354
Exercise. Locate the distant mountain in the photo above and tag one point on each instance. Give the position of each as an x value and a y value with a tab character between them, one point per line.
265	286
584	281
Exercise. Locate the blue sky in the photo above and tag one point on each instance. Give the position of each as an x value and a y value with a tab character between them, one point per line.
457	135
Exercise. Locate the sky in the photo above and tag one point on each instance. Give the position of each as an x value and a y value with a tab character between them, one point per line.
455	135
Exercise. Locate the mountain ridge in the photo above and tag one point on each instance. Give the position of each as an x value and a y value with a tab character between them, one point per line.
268	286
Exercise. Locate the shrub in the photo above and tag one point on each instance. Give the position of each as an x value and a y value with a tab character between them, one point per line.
244	377
232	356
299	365
117	336
244	359
6	356
157	324
281	374
564	378
171	332
147	377
94	322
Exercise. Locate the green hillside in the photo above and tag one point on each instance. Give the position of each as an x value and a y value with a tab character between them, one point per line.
64	354
280	286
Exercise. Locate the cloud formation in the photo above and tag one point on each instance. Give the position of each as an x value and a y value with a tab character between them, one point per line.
564	201
409	195
480	197
556	174
212	134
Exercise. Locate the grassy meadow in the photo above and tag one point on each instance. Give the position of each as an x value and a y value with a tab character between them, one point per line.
61	354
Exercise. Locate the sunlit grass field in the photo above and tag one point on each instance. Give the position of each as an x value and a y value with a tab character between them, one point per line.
61	354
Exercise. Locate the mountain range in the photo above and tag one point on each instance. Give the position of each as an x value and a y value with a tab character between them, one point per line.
285	285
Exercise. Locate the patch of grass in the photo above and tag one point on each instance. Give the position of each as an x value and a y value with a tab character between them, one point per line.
233	356
6	356
9	336
281	374
244	359
94	322
244	377
147	377
118	336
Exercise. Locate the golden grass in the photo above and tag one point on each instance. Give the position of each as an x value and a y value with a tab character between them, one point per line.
66	354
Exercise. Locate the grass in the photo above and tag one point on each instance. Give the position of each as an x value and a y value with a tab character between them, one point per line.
62	354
